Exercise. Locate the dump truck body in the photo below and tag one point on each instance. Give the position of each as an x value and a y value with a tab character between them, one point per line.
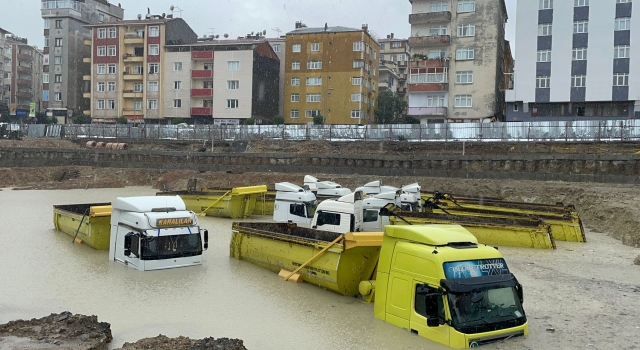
236	203
94	230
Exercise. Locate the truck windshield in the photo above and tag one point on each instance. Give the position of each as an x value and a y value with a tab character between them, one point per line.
486	310
311	208
167	247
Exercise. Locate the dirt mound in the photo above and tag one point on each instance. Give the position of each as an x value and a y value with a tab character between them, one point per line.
162	342
61	331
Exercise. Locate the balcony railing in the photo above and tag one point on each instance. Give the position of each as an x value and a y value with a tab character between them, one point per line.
202	55
431	17
427	111
201	92
426	41
429	87
23	69
202	111
62	4
202	74
22	94
23	82
25	57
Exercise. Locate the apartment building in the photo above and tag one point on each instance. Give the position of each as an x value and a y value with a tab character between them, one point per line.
23	76
126	75
223	82
5	78
394	56
279	47
581	61
332	72
64	34
457	74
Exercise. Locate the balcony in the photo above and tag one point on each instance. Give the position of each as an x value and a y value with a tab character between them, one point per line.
87	113
132	58
87	42
86	95
86	77
25	95
25	57
429	18
202	55
206	111
86	60
383	86
133	77
201	92
23	69
132	94
202	74
402	64
427	41
427	111
135	40
427	87
23	82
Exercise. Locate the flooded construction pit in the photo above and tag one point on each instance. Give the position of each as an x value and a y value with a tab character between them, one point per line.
581	295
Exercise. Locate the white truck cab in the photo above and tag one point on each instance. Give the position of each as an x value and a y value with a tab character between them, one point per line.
340	215
375	187
325	189
294	204
153	233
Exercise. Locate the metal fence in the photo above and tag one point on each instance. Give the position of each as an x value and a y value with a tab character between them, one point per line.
509	131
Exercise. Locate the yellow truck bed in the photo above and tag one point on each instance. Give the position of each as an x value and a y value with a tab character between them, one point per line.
95	228
235	203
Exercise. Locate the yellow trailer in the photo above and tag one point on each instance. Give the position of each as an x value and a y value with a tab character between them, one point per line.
89	223
235	203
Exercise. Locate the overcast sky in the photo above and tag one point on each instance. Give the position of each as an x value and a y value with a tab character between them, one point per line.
240	17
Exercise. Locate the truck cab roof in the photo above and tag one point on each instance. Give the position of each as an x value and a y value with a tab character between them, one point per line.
434	235
149	204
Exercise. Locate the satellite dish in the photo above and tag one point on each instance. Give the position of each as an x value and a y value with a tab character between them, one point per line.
164	15
217	36
251	33
264	32
171	8
226	35
139	17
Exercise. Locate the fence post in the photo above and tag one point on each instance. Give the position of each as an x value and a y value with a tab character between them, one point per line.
529	132
621	130
566	131
446	131
599	126
503	127
420	134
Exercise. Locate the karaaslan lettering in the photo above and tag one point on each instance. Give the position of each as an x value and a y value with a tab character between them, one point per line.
174	222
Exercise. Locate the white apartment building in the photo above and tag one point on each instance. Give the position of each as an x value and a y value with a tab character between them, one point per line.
457	71
576	60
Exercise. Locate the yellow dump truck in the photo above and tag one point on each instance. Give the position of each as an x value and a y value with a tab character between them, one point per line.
86	222
235	203
436	281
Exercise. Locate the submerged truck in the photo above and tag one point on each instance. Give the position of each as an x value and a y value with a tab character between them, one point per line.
436	281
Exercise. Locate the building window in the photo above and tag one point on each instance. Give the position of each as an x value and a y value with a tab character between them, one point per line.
355	114
101	17
57	60
439	7
153	86
154	50
544	56
58	42
435	101
544	29
111	50
295	65
315	47
152	104
57	96
276	48
233	104
466	6
100	104
622	1
546	4
463	101
58	78
154	68
233	84
311	113
137	105
466	30
102	69
465	53
294	114
580	3
47	23
623	23
579	54
621	51
438	30
154	31
358	46
46	41
543	82
137	70
356	81
102	51
112	33
101	86
137	87
111	68
45	78
578	81
375	54
464	77
233	66
177	103
296	48
437	54
111	104
111	86
102	33
177	85
356	97
621	79
314	81
295	97
295	81
358	63
314	97
177	66
582	27
314	65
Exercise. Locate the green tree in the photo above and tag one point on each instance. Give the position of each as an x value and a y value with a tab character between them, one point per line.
81	119
390	109
277	120
4	113
176	121
318	120
410	120
122	120
250	121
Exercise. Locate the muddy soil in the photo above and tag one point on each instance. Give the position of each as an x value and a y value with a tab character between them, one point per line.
162	342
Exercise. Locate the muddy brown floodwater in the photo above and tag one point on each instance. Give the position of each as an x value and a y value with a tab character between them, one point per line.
588	293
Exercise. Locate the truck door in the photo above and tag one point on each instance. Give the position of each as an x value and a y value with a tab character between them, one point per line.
371	220
429	303
131	249
327	221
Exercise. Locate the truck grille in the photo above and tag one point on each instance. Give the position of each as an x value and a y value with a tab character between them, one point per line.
488	340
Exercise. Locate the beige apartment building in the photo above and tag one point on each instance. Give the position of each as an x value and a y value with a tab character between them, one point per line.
22	76
4	68
394	56
127	75
457	75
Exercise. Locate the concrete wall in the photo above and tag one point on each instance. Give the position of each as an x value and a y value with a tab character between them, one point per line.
621	168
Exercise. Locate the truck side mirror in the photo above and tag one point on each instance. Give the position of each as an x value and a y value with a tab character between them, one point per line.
433	321
520	293
206	239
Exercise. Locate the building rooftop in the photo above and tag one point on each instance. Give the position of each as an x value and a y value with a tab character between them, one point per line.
226	42
133	22
336	29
